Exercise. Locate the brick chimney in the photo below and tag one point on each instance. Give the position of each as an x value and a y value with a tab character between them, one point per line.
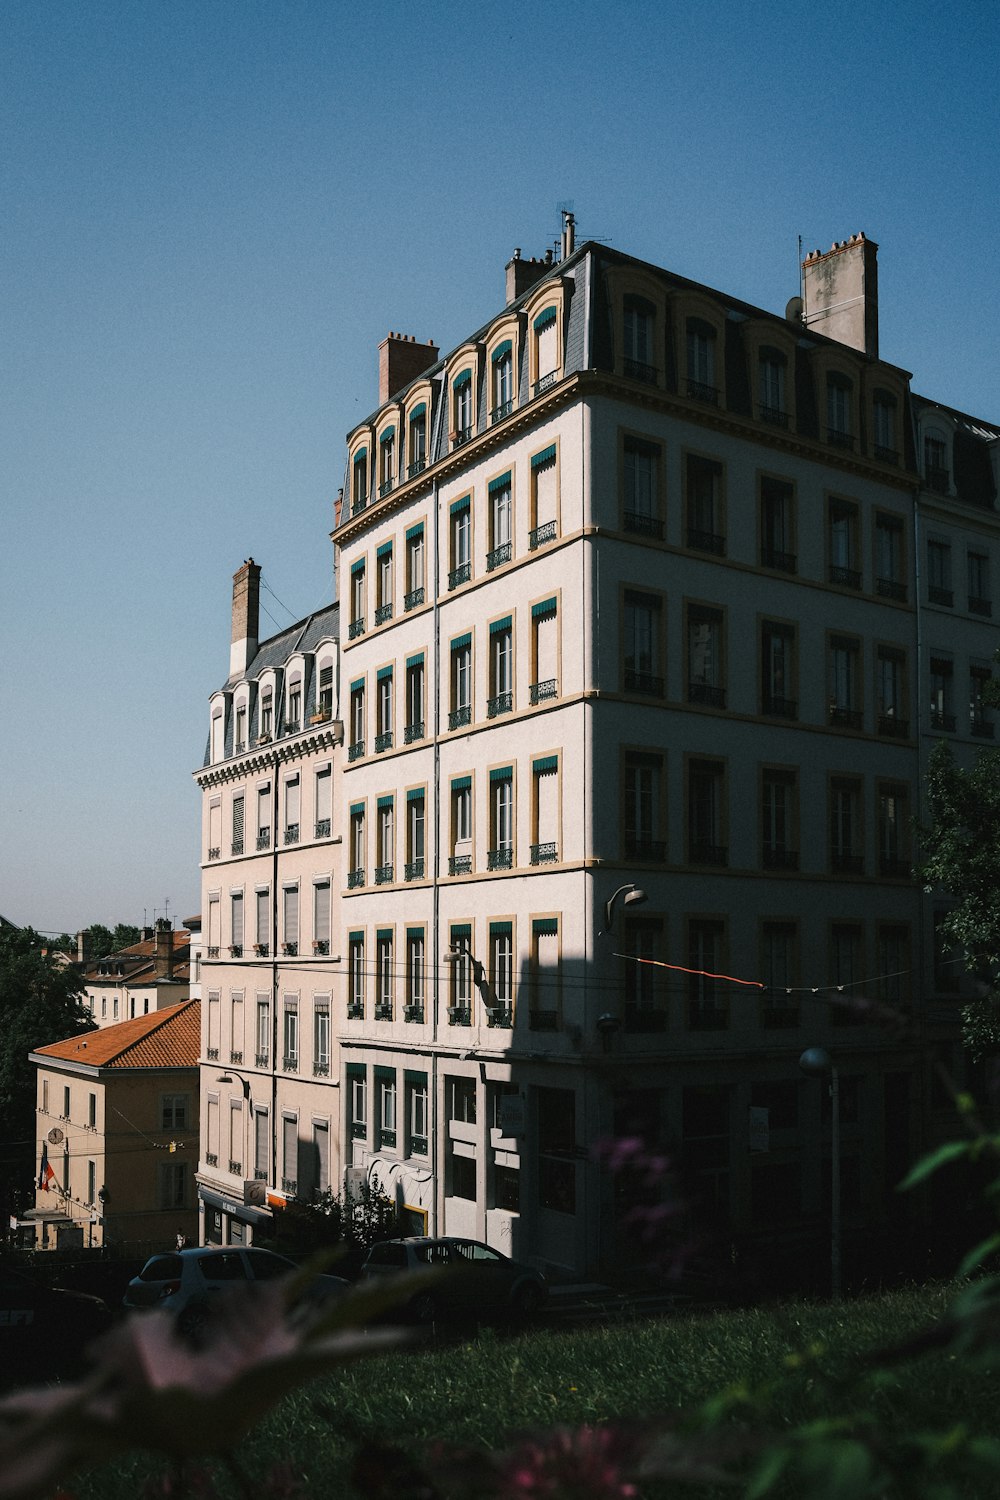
246	617
163	956
521	274
83	947
400	360
840	293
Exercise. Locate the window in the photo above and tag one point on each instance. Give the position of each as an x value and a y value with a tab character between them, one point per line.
415	853
214	1024
779	971
290	1034
556	1124
502	966
892	961
777	525
264	817
294	705
779	819
321	917
771	368
461	543
218	736
893	805
705	665
889	577
266	715
321	1037
501	536
415	593
544	650
645	1010
385	1092
357	623
777	670
356	868
545	809
707	1007
383	974
503	382
461	682
501	851
941	707
703	499
418	440
324	697
544	498
641	643
173	1111
289	1153
356	972
936	470
292	801
980	723
846	848
545	1006
383	710
461	405
842	544
290	919
417	1113
173	1176
706	791
884	425
414	728
460	862
846	969
701	378
638	339
844	682
460	990
321	1155
324	802
359	481
261	1144
384	840
641	462
501	699
979	584
386	461
546	333
91	1108
461	1100
642	776
91	1197
890	669
262	1035
383	583
236	924
939	589
415	975
839	427
241	729
357	745
215	829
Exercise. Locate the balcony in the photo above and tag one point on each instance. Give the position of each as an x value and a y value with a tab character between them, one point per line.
214	852
413	599
211	1160
321	1070
501	410
383	741
636	369
356	751
236	848
383	1010
706	693
418	1145
781	562
212	952
499	556
500	859
355	878
290	950
938	595
383	874
544	854
979	606
460	864
641	525
264	838
355	1010
709	854
292	833
289	1186
775	858
360	504
262	1059
460	717
413	869
501	703
542	534
385	488
543	1020
290	1063
413	732
459	1015
501	1016
893	728
843	718
383	613
698	391
845	578
646	683
890	588
838	438
387	1138
417	467
236	1167
650	851
459	575
293	726
356	628
259	1174
321	947
843	862
540	691
461	437
322	828
212	1053
240	747
358	1130
706	541
544	382
236	950
941	720
413	1013
773	415
779	708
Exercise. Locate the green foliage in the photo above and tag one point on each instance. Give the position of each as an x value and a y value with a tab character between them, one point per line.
124	936
39	1003
352	1221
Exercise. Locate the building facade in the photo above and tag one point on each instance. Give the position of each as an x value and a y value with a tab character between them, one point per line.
638	685
146	976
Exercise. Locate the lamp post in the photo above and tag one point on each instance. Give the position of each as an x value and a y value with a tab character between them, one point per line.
816	1061
455	955
634	896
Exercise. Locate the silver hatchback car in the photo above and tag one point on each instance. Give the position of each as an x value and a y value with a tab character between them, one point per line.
189	1283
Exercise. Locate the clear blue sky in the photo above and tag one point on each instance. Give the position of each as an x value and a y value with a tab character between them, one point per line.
214	210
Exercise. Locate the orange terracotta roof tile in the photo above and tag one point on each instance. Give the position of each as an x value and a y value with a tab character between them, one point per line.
169	1038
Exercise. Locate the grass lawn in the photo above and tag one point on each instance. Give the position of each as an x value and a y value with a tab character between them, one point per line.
783	1366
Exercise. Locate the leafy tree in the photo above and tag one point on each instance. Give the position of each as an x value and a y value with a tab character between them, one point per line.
962	841
102	939
124	936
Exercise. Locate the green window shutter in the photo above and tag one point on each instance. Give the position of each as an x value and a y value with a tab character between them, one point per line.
499	626
385	550
358	567
502	773
415	661
388	435
501	929
416	794
357	808
545	764
384	802
501	350
461	929
544	609
384	1075
414	531
418	411
383	673
415	1080
544	319
502	482
361	455
357	685
383	934
464	379
547	456
461	783
457	506
461	641
357	938
414	932
545	926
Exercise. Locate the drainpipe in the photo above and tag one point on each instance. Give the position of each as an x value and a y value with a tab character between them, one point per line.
437	1214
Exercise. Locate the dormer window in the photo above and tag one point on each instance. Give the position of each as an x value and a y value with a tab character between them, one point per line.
241	729
218	734
294	704
324	702
462	407
546	332
838	411
503	382
359	482
267	715
884	425
638	339
418	440
387	461
771	387
701	376
936	470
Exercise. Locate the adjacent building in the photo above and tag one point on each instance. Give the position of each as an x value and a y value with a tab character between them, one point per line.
595	809
146	976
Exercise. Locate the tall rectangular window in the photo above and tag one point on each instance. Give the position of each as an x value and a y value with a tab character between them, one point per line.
239	821
842	544
771	370
324	695
236	924
321	1155
501	852
839	397
289	1153
418	440
264	816
979	583
503	382
292	805
642	944
321	917
706	682
939	585
356	746
418	1113
502	962
290	919
501	695
941	704
779	971
546	984
777	670
546	331
460	862
705	525
544	498
460	990
266	716
847	970
359	480
414	727
642	773
262	1036
893	829
545	809
641	643
779	819
461	402
846	847
501	532
290	1034
415	853
641	462
383	710
890	580
461	682
357	1100
356	851
356	974
383	583
637	329
414	973
321	1036
460	570
262	1144
980	723
358	596
844	682
707	812
707	1003
544	650
700	342
890	666
777	525
884	423
415	582
324	802
385	841
387	461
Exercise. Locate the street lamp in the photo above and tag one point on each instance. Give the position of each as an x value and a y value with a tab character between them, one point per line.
816	1061
455	955
634	896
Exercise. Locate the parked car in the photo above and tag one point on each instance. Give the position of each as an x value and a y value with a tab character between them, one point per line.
480	1281
44	1331
189	1283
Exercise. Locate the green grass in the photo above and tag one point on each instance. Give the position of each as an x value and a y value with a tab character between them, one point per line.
479	1391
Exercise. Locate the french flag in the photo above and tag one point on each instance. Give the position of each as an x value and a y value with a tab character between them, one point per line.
45	1174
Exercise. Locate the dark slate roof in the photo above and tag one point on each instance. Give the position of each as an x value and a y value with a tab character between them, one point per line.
971	466
304	635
